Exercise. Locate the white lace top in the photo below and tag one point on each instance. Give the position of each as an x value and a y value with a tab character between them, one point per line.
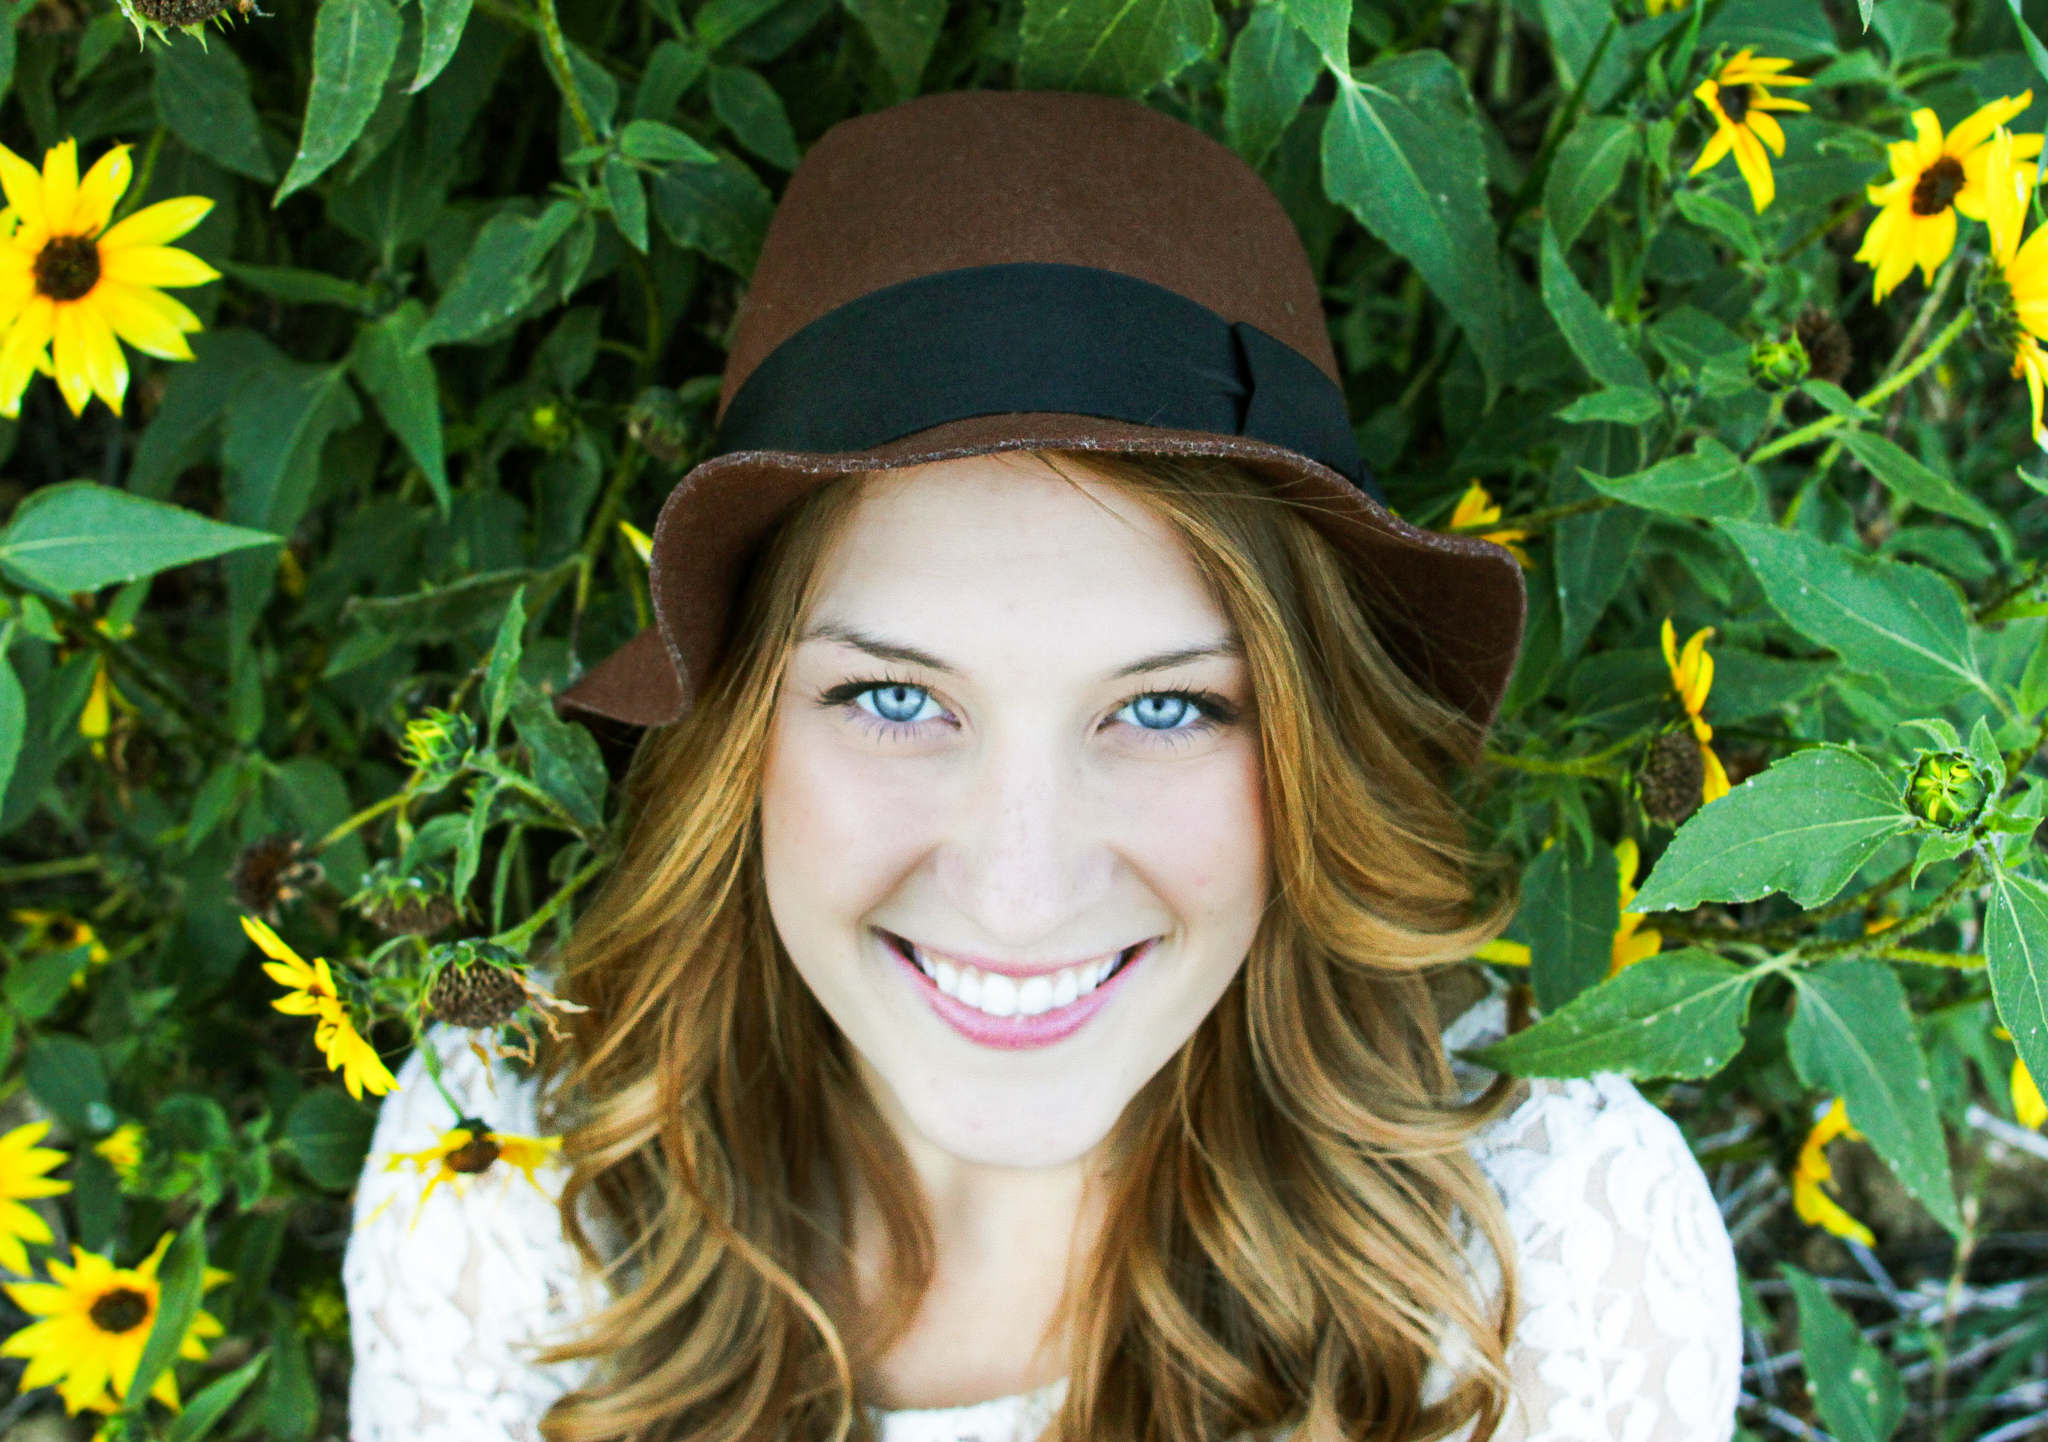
1630	1327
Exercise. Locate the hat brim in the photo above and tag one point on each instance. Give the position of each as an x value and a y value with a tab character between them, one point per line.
1449	608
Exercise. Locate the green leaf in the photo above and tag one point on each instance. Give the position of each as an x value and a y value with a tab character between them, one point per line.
720	20
904	33
1677	1014
441	25
1852	1034
13	712
1115	47
1834	399
1587	168
35	987
316	798
504	667
671	69
1575	28
1327	23
406	389
206	1410
502	275
2036	51
329	1133
290	1407
80	536
1723	219
354	43
182	1279
1570	909
2016	949
720	209
655	143
1804	827
442	613
748	106
202	92
68	1078
1402	151
483	800
566	762
628	201
1911	481
1895	621
1593	335
303	287
1855	1388
1799	29
1623	405
1273	66
1711	482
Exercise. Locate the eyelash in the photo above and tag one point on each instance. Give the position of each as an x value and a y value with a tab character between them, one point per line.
1215	711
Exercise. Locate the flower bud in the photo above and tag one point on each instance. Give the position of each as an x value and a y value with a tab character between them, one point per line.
1946	790
1672	778
1778	365
548	424
659	424
439	744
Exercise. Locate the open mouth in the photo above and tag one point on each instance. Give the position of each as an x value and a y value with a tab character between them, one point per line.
996	995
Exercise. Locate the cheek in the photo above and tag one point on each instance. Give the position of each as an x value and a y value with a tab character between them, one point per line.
1198	836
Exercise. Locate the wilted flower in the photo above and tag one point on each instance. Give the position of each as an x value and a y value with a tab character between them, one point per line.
400	903
23	1168
1692	677
477	992
1739	99
472	1149
1477	508
1933	180
272	871
1946	790
1829	353
1632	941
70	283
1812	1178
95	1320
310	992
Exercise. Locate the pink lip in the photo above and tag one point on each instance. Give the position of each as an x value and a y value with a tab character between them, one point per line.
1017	1033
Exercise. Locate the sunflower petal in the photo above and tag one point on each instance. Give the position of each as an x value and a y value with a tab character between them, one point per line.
67	353
105	363
26	342
23	184
155	265
157	224
1768	131
1973	130
139	316
60	187
1718	145
1756	169
101	190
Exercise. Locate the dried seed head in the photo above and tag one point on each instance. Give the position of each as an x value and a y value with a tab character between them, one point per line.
477	994
177	12
1829	353
272	871
1672	778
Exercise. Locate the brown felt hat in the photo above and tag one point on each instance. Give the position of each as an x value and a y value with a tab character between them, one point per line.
987	271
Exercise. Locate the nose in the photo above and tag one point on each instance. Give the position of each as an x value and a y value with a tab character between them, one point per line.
1024	851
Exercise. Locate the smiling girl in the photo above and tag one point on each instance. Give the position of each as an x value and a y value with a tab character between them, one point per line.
1007	1017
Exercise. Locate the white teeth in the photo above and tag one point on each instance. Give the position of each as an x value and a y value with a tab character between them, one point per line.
1003	996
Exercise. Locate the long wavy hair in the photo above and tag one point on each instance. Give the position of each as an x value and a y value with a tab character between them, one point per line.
1293	1219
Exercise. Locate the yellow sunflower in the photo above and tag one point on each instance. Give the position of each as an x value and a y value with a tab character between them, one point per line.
95	1322
1812	1178
70	282
1692	677
309	991
1477	508
1632	943
60	931
2019	292
1934	179
23	1165
471	1149
122	1148
1740	101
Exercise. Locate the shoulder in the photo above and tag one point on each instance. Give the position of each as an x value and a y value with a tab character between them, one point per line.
451	1289
1629	1313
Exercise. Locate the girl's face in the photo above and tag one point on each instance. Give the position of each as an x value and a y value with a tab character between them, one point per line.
1012	828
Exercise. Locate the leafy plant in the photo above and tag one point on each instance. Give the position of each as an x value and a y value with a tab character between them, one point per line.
1717	312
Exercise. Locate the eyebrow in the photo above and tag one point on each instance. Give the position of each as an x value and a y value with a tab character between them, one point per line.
887	650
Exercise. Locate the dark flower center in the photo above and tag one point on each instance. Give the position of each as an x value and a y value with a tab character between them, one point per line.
1735	103
476	1154
67	267
121	1310
1936	189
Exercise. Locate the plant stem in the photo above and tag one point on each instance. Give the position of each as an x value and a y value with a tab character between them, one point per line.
1955	960
144	173
1814	431
1538	520
565	70
46	870
518	938
362	818
1875	943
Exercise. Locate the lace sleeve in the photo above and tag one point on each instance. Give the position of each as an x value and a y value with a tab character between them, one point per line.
448	1295
1630	1326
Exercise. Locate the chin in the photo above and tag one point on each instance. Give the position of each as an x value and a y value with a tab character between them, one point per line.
1026	1123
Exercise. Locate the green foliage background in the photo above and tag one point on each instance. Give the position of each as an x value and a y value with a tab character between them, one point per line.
481	258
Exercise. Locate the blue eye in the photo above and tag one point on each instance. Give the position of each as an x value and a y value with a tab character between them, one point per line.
900	705
1162	711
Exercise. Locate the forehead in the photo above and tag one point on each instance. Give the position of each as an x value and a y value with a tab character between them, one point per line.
1003	547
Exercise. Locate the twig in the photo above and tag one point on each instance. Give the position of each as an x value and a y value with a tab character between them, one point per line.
2023	1427
2013	1136
1780	1418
